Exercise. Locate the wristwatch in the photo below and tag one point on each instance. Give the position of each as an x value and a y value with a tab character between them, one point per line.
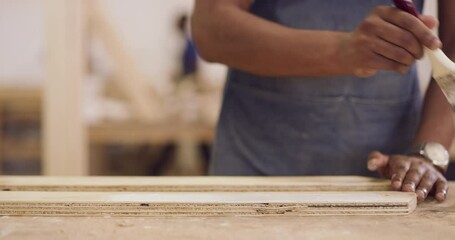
433	152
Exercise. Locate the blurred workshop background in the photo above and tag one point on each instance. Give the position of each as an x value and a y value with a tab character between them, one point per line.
106	87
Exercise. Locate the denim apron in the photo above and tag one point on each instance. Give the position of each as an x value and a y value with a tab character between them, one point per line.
313	125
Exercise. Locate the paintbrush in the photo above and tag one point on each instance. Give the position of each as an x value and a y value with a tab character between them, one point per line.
443	68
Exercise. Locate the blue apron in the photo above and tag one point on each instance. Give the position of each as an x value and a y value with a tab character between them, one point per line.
313	125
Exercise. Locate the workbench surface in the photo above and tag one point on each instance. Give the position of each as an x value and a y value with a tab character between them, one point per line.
431	220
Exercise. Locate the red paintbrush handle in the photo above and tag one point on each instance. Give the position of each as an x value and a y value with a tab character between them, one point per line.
407	6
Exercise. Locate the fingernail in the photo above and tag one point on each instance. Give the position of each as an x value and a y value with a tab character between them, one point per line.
421	195
435	43
440	196
409	187
396	185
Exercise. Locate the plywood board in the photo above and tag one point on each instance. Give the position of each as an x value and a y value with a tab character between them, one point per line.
205	204
192	184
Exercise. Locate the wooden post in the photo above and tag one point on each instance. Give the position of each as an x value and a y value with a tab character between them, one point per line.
1	138
65	147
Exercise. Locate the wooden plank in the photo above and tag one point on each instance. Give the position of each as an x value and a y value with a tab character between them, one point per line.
192	184
205	204
65	148
430	220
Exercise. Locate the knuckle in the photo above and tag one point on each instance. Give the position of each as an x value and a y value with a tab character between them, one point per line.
366	25
426	37
408	180
397	175
428	179
419	162
405	39
363	39
371	62
425	184
370	24
400	176
415	172
400	168
442	184
408	22
404	57
417	51
442	180
379	10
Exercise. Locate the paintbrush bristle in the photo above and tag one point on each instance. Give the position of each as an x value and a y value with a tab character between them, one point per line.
442	65
443	73
447	85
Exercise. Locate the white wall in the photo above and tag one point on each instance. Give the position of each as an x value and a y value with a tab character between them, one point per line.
21	41
147	27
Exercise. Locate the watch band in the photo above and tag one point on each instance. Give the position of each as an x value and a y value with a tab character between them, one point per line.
426	150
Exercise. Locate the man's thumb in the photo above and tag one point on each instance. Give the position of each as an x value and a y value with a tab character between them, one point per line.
377	161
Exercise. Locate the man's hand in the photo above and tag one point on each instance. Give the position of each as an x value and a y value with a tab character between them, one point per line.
388	39
410	174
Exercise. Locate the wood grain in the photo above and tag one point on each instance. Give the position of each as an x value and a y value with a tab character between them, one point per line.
200	196
192	184
430	220
205	204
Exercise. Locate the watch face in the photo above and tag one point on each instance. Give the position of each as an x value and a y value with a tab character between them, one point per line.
437	154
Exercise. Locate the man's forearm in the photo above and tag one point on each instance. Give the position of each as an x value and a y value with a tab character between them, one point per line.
225	33
437	117
436	121
387	39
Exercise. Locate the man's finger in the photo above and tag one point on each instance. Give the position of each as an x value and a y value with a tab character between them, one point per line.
441	189
398	173
410	23
401	39
426	184
399	56
413	177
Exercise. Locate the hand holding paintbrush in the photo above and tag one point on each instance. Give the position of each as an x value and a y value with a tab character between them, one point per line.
387	39
443	67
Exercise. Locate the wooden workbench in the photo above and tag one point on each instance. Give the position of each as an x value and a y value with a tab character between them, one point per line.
431	220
